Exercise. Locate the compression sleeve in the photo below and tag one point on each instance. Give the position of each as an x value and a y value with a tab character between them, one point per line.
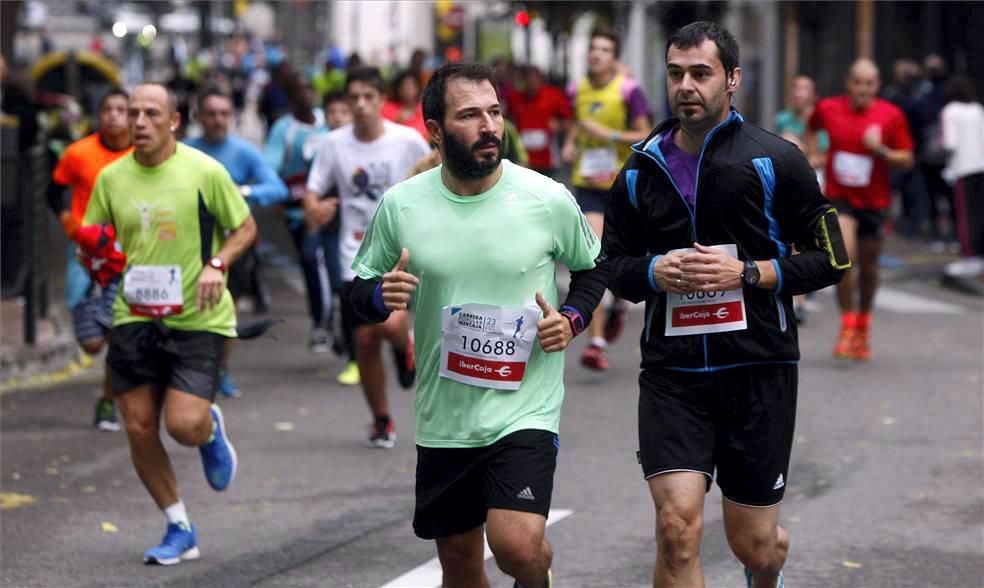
363	299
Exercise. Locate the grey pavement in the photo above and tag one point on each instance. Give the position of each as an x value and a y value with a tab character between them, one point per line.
886	488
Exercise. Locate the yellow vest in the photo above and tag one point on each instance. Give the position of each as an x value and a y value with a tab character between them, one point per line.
600	159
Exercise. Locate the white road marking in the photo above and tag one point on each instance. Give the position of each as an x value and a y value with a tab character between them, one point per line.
902	302
428	574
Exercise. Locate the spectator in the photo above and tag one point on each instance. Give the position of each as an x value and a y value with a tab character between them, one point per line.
930	156
963	139
903	92
790	123
403	106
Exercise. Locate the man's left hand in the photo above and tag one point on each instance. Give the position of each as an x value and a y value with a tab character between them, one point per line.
710	270
211	286
553	330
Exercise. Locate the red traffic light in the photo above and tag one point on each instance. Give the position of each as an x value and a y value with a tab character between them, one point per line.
522	18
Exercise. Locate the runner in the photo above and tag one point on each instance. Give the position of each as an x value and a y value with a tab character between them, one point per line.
540	111
289	150
362	161
868	137
488	404
700	226
170	205
338	114
88	296
611	114
258	184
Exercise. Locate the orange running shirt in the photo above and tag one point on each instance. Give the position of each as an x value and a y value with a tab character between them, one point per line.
79	167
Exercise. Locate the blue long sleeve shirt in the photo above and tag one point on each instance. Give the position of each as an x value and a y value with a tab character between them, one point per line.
247	167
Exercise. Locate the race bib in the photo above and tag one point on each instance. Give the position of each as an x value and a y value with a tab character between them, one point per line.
153	290
852	170
701	313
487	346
600	164
535	139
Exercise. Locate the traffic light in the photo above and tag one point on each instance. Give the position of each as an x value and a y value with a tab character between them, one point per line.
522	18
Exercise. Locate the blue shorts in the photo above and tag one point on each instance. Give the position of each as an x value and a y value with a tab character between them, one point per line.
93	316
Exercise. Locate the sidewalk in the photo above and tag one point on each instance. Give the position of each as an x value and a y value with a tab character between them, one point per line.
54	356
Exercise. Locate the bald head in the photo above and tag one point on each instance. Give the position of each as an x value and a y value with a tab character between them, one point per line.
863	82
159	92
152	117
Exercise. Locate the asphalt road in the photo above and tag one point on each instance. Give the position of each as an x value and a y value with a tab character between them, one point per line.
886	488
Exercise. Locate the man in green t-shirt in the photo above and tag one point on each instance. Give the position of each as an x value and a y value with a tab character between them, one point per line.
471	246
170	205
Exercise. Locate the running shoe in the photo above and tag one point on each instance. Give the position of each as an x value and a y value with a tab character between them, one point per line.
547	582
594	358
350	375
382	433
406	368
227	387
320	342
179	544
218	455
843	349
615	320
861	345
748	578
106	416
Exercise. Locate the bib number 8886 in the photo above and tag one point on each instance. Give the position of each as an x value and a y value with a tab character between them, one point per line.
487	347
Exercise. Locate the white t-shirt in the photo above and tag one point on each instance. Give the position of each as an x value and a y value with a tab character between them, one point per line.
963	136
362	173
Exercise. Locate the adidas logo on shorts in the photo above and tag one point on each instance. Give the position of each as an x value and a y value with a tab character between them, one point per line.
526	494
779	483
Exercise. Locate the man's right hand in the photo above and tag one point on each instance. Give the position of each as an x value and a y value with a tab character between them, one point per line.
668	274
569	153
320	213
398	285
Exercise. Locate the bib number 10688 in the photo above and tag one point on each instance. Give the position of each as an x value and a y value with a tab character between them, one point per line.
487	347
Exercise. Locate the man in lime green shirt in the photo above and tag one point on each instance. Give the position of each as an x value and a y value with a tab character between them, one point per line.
171	205
471	246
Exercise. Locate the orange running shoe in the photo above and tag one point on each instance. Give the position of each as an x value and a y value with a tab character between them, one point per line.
594	358
861	345
844	348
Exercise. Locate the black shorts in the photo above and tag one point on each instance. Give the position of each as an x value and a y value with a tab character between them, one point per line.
591	200
739	421
457	487
151	353
871	223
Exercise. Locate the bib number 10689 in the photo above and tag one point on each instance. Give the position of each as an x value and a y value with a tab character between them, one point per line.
488	347
699	295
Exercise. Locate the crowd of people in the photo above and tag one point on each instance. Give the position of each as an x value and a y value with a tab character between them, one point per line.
396	192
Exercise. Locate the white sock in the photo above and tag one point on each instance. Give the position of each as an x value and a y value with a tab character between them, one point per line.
599	342
176	513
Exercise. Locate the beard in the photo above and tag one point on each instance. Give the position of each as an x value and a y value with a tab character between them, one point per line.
462	161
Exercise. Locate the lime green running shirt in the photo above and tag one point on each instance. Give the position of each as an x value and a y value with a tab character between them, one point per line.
499	248
158	213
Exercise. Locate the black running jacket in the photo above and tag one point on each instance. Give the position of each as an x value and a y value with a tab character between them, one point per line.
754	190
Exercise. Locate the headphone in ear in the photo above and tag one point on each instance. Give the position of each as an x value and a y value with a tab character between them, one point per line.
733	82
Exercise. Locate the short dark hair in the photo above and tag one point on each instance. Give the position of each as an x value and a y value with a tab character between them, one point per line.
367	75
333	97
696	33
398	81
209	92
607	33
435	94
960	88
114	91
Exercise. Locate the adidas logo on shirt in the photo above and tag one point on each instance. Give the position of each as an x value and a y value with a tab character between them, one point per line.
779	483
526	494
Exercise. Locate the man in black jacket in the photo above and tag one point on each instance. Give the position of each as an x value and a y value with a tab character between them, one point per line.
701	225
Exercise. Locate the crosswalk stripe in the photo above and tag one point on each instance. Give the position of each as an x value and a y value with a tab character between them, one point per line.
428	574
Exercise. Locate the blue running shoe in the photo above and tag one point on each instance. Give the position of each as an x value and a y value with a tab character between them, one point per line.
179	544
227	387
748	578
218	455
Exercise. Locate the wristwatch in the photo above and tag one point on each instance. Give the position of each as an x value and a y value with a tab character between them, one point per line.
882	152
751	274
217	263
